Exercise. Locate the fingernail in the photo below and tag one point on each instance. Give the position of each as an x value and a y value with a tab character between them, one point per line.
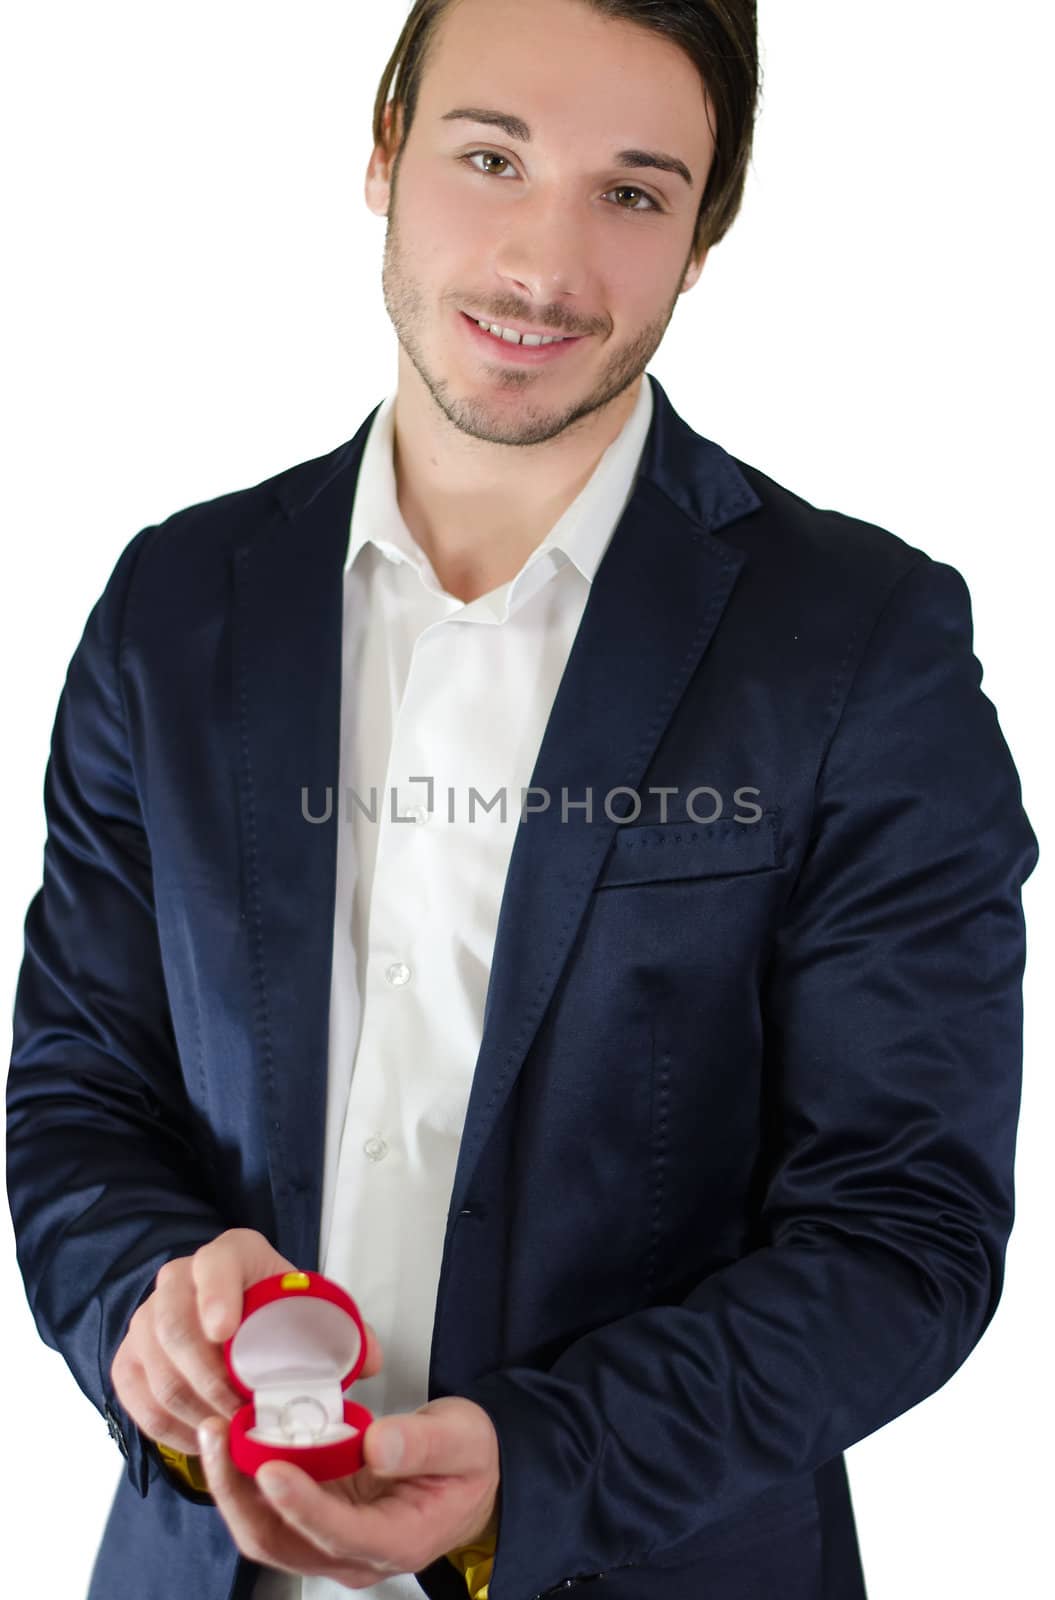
390	1449
274	1484
209	1441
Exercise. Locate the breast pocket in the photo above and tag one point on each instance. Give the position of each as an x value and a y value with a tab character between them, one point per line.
666	852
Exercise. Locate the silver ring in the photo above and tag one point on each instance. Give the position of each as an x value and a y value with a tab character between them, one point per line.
302	1419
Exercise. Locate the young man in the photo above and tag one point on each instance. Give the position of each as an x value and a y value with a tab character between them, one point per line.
646	1061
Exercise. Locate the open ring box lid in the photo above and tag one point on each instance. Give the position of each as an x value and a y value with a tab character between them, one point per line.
300	1343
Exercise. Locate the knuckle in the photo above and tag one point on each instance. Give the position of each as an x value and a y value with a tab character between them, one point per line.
138	1323
128	1378
247	1545
170	1274
205	1252
171	1330
171	1392
205	1261
230	1238
257	1549
153	1418
218	1394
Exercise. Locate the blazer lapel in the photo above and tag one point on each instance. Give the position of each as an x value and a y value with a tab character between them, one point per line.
656	600
288	598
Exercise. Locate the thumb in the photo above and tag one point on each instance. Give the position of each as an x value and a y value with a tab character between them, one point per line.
224	1269
449	1437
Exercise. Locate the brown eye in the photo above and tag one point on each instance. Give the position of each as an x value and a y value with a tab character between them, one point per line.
488	155
626	189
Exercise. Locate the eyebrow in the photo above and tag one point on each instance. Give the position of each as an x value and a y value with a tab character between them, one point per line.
517	128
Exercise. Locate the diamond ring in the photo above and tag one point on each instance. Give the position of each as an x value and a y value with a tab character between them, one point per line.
302	1419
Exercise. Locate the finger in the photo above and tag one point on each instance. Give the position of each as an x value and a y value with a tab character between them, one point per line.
257	1529
174	1340
173	1392
375	1357
224	1269
450	1437
148	1414
346	1534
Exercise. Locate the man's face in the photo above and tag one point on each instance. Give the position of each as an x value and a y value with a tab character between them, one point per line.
550	233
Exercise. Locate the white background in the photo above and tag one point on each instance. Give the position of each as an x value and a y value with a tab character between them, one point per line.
193	302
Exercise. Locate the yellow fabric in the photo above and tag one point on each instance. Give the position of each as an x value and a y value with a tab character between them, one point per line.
475	1562
188	1468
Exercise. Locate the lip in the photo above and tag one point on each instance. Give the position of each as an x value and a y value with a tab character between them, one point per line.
520	355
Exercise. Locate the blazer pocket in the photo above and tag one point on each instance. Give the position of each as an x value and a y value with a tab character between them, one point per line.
665	851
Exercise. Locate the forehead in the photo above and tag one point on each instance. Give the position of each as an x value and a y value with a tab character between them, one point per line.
566	69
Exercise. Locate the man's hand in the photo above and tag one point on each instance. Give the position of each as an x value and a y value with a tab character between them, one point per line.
169	1372
429	1485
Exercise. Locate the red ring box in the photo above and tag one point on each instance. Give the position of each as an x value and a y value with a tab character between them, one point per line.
300	1343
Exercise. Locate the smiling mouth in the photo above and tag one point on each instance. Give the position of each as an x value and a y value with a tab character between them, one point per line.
530	341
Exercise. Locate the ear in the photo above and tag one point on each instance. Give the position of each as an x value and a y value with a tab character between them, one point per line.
693	271
379	170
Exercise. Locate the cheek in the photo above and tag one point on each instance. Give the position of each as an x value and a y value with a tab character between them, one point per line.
446	221
636	277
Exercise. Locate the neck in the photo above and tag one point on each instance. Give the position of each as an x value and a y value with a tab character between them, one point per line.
477	509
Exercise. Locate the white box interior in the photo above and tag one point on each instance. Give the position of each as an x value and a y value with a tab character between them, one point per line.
293	1354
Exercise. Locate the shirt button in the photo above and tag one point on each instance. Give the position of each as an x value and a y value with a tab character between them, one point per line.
376	1148
398	973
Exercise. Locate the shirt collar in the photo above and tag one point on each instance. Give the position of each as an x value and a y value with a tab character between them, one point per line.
581	535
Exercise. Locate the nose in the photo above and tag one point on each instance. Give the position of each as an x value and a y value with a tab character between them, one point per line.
543	257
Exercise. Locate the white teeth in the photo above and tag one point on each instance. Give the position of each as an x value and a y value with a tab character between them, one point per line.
515	338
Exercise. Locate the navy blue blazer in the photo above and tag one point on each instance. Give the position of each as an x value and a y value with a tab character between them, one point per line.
736	1182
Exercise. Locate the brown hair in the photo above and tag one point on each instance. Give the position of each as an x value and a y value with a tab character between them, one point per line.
719	36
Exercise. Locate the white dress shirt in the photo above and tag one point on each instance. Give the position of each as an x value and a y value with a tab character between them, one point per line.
459	693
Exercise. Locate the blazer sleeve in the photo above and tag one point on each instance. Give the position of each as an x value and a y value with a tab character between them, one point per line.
892	1020
103	1178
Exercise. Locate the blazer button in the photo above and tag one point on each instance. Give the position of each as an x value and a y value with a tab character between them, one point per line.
114	1429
